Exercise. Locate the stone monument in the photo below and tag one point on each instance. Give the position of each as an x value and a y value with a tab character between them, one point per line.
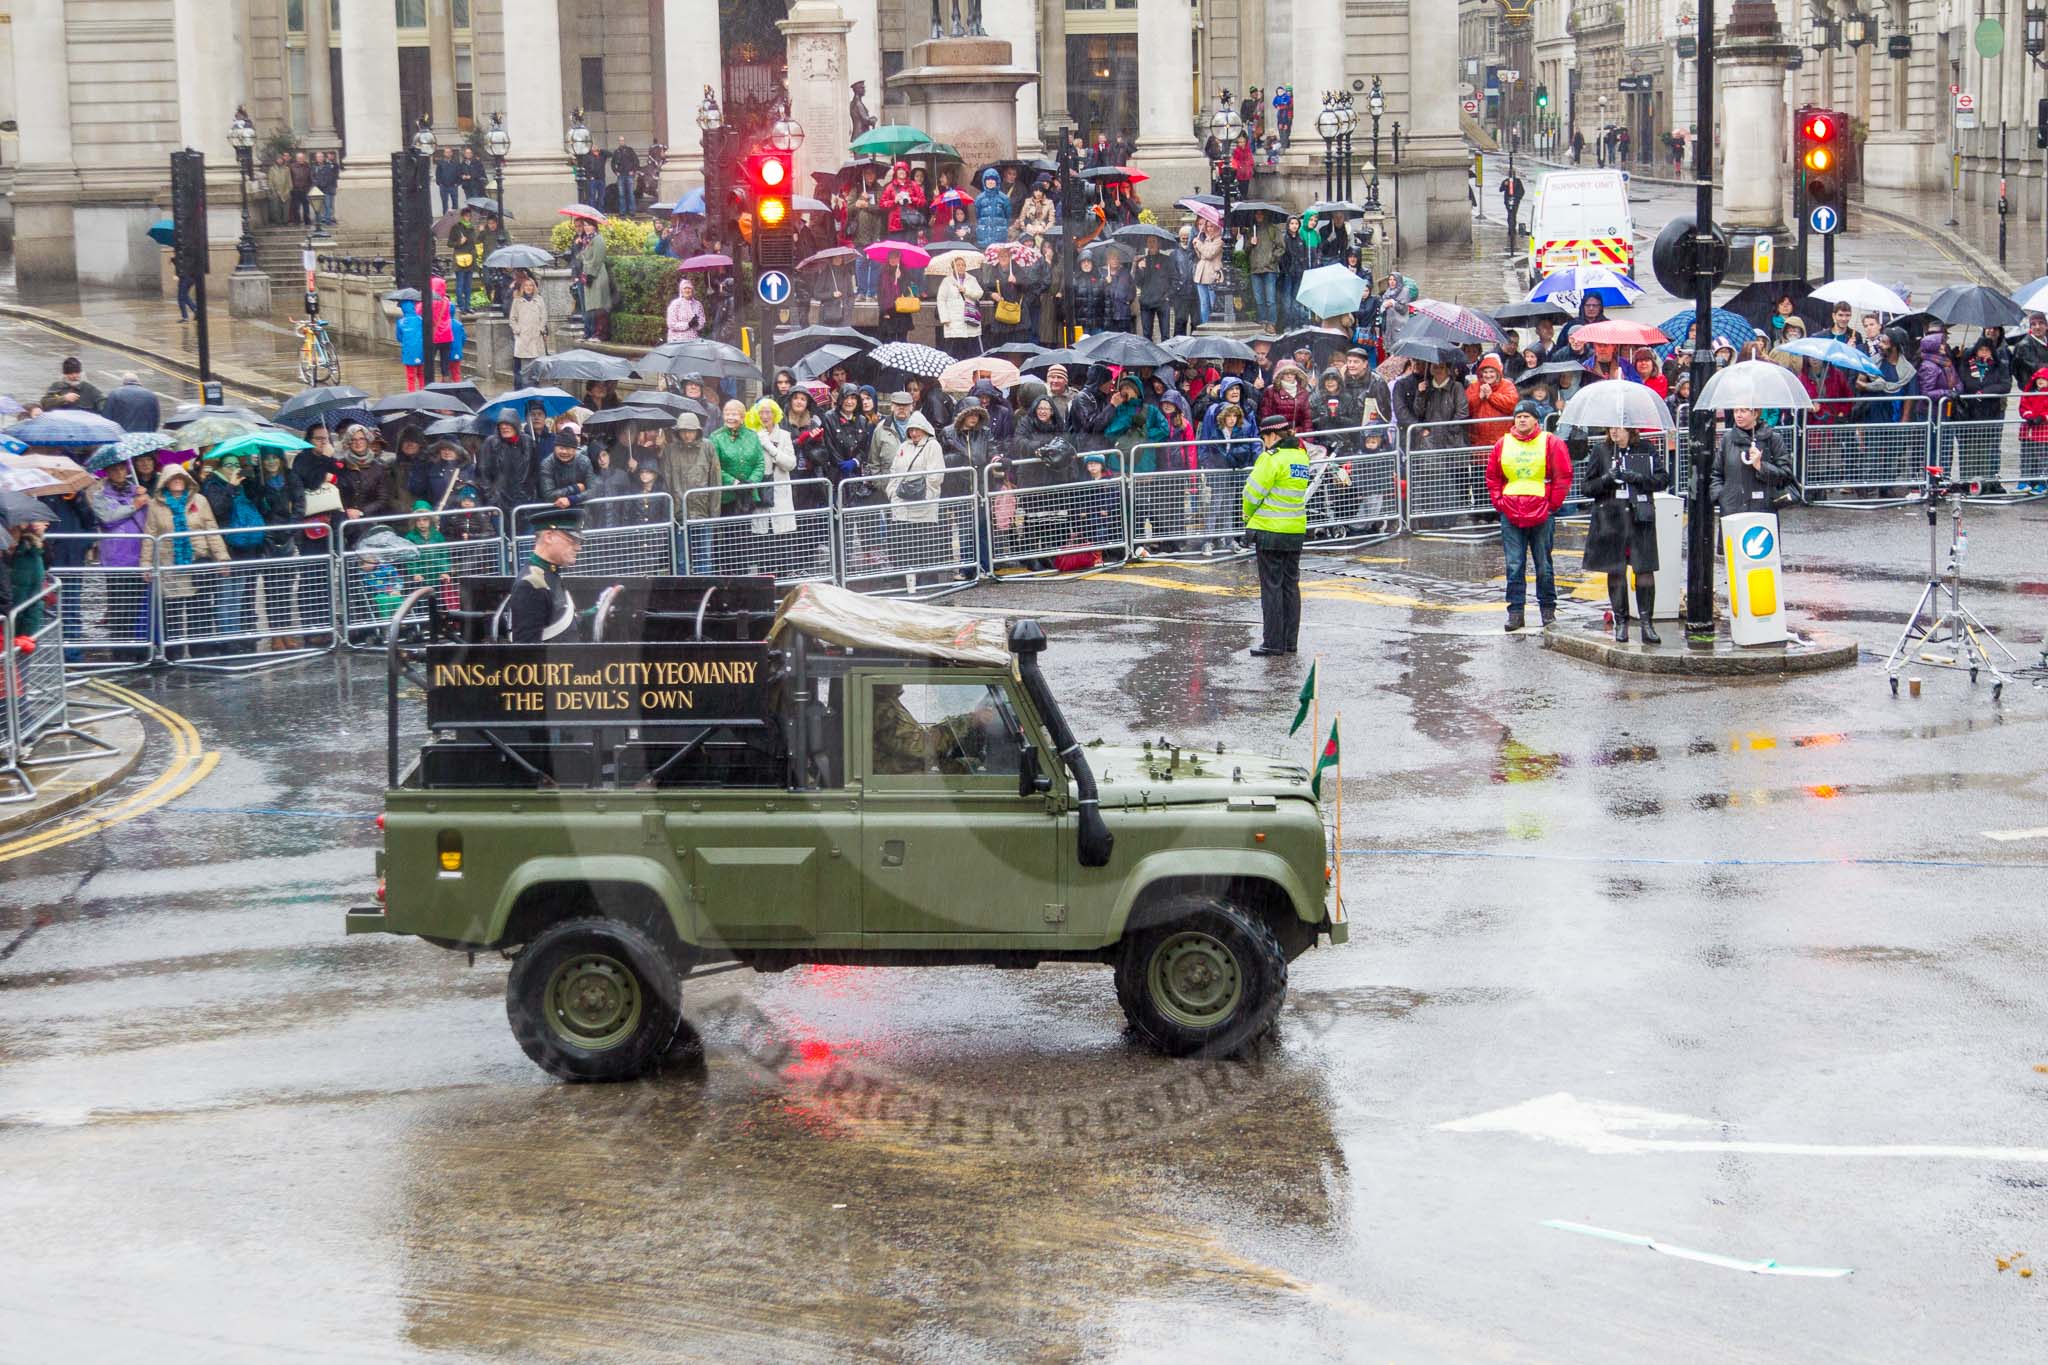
818	84
963	91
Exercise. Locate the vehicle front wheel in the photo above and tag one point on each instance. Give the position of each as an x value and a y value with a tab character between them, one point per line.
1205	979
594	1000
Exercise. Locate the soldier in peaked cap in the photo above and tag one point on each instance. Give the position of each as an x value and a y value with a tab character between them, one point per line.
540	608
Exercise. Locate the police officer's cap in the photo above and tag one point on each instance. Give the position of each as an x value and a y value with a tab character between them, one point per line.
568	520
1276	423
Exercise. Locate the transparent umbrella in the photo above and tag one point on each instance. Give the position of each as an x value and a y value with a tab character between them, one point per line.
1751	384
1618	403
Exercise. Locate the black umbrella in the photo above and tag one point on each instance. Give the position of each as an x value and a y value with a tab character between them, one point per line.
459	388
310	403
1422	348
1138	232
400	296
1973	305
1523	314
804	338
468	424
1045	360
699	359
1108	175
854	166
490	206
1124	348
578	364
631	412
818	363
1095	251
1199	347
1322	342
1757	302
1550	368
419	400
673	403
1253	208
1019	351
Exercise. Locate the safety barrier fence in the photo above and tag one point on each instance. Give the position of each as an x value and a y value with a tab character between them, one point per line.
36	707
240	598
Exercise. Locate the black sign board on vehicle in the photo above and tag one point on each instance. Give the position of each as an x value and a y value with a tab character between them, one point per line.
568	685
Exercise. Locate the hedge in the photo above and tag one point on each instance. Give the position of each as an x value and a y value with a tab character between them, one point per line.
622	237
643	284
639	329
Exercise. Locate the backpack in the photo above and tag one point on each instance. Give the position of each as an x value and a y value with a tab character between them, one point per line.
244	514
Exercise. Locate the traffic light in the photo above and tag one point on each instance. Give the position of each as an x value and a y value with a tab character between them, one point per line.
769	191
1821	170
1543	98
2041	124
188	213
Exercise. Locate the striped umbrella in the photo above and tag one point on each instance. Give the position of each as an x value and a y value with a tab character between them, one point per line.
1464	322
127	448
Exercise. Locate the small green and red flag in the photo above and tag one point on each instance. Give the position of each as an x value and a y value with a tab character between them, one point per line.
1306	701
1326	759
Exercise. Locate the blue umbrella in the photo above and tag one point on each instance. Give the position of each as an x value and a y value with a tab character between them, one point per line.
163	232
1615	289
552	400
127	448
1831	352
1330	291
66	428
1722	325
693	202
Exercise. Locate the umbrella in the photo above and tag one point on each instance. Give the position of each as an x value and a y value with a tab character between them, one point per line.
1524	314
163	232
519	256
955	196
672	403
67	427
1751	384
553	401
937	151
911	358
1095	251
256	442
582	211
1208	213
336	418
1615	289
1322	342
1201	347
310	403
700	358
1126	349
400	296
10	407
419	400
1973	305
943	264
691	202
483	205
1017	352
913	256
891	139
1866	295
2034	296
818	362
1138	232
710	260
1466	324
470	394
960	376
1253	208
1425	349
19	509
1202	201
1614	332
579	364
1620	403
803	203
815	336
385	545
468	424
1330	291
855	165
631	412
1722	325
827	256
127	448
1551	367
38	475
1115	175
1333	206
193	412
1756	303
1831	352
1045	360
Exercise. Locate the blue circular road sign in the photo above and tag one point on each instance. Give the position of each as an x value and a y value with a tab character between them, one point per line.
1824	219
773	287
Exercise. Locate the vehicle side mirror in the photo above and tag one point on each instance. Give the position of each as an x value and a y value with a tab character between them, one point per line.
1030	780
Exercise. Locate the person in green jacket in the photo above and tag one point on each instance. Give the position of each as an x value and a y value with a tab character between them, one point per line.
597	281
432	565
1276	516
26	573
740	456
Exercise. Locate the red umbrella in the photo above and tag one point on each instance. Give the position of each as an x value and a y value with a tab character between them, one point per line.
956	197
1612	332
708	261
583	211
1134	175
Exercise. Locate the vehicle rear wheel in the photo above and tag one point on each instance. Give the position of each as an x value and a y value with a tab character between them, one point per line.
594	1000
1206	979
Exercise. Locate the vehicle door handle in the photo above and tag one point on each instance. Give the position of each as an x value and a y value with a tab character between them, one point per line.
892	853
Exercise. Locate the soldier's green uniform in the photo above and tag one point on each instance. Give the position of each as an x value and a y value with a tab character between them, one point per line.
539	607
901	744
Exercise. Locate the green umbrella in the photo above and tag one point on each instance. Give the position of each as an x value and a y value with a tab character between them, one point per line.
256	441
891	140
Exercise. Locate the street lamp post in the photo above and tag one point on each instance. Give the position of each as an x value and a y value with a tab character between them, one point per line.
1224	124
1329	126
711	141
1347	124
242	137
576	142
498	143
1375	104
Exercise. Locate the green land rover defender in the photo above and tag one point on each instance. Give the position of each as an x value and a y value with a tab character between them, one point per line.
722	782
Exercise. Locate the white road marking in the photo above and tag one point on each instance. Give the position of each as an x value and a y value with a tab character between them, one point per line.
2006	836
1604	1129
1764	1267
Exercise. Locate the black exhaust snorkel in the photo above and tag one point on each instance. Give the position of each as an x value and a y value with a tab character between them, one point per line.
1094	840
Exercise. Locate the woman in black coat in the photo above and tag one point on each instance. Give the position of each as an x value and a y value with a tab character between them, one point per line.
1622	472
1987	379
1091	305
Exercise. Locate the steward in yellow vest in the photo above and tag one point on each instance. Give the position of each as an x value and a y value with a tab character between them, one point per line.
1528	477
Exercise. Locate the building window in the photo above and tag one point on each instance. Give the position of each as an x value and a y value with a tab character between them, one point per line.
465	88
593	85
301	110
460	13
412	13
295	16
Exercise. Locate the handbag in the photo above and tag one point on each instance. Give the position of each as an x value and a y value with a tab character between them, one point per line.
970	314
907	303
464	260
1009	312
325	498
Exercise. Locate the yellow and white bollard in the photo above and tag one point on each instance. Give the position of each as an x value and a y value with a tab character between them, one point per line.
1756	598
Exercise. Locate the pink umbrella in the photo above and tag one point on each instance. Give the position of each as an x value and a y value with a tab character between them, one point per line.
916	257
583	211
1206	212
709	261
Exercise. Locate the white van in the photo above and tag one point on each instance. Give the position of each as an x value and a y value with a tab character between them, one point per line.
1581	217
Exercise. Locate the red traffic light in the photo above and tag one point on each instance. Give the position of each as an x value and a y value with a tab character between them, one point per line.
1817	128
769	172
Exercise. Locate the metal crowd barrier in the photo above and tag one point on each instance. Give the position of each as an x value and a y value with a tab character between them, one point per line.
1997	453
1355	492
375	580
1446	482
1865	453
633	535
753	538
109	619
220	608
914	537
35	707
1032	522
1186	513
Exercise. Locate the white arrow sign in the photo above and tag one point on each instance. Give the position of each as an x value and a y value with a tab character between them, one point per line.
1605	1129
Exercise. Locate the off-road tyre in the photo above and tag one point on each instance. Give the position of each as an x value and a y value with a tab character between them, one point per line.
1202	978
594	999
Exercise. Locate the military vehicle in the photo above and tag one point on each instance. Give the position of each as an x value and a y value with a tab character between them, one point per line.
723	779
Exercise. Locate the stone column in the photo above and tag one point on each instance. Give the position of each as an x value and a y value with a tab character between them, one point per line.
690	46
1167	149
369	100
864	53
207	36
1014	23
319	78
1434	206
45	179
1749	72
537	176
816	35
1052	68
441	68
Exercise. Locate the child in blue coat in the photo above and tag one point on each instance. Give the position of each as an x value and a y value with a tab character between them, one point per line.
412	345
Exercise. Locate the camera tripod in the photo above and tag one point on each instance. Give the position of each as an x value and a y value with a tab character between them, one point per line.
1948	621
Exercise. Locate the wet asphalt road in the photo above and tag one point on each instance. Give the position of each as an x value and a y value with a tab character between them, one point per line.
229	1133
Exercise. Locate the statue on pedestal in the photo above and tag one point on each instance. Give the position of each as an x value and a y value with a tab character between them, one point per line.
857	111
